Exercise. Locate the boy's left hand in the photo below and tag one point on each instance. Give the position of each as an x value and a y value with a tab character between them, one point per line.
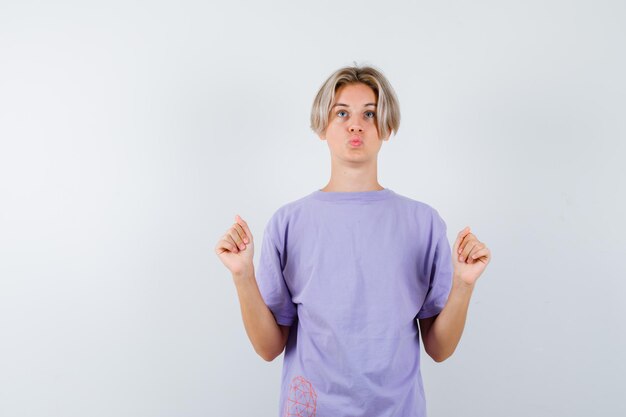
469	257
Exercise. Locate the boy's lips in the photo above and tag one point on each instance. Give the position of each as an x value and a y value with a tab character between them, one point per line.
355	141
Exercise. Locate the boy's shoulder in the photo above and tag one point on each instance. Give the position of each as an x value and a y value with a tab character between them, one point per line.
281	215
418	204
292	206
422	211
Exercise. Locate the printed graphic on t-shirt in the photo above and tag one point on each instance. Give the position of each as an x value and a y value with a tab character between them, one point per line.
302	399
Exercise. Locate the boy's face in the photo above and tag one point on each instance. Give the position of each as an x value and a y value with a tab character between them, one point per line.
351	133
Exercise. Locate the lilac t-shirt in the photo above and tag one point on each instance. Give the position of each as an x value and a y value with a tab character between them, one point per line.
350	272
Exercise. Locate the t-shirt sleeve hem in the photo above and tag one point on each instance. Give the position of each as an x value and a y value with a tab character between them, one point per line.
429	313
284	320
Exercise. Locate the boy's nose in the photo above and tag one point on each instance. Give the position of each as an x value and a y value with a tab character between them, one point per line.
355	128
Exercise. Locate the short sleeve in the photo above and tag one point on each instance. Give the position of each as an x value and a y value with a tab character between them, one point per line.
271	281
440	275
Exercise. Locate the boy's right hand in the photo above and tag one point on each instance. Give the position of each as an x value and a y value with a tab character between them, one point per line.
236	248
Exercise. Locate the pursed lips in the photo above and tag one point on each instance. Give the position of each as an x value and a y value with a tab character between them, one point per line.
355	140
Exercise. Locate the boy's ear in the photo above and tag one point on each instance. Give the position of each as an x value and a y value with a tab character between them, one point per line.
322	135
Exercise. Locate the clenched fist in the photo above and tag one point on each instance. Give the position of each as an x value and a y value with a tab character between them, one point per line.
236	248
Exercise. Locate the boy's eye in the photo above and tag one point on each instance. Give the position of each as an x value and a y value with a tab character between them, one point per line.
368	114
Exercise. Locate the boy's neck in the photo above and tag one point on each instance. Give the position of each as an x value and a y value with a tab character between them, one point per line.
345	185
351	178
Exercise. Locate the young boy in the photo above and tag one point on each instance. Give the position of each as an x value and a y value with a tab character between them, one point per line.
345	271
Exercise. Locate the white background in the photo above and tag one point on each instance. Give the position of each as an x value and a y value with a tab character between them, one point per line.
131	133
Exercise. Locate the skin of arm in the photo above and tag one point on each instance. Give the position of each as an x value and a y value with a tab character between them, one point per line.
267	337
236	250
441	334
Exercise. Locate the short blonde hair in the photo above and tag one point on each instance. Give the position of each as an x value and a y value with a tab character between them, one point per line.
387	107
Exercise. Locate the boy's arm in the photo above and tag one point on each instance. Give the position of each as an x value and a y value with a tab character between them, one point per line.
441	333
268	337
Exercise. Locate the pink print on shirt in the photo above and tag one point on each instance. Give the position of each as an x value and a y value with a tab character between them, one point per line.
302	399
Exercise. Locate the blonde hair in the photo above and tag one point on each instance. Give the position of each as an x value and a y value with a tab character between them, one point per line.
387	107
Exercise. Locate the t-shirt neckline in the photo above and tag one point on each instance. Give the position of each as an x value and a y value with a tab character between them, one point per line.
352	195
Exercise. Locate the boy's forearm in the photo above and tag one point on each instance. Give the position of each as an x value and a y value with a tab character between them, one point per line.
445	332
259	322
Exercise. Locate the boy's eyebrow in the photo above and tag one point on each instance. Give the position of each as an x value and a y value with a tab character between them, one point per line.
345	105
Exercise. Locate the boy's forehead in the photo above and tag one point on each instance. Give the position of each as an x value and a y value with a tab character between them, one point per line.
346	105
355	92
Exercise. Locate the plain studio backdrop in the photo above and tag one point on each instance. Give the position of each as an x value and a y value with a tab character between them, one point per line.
133	132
